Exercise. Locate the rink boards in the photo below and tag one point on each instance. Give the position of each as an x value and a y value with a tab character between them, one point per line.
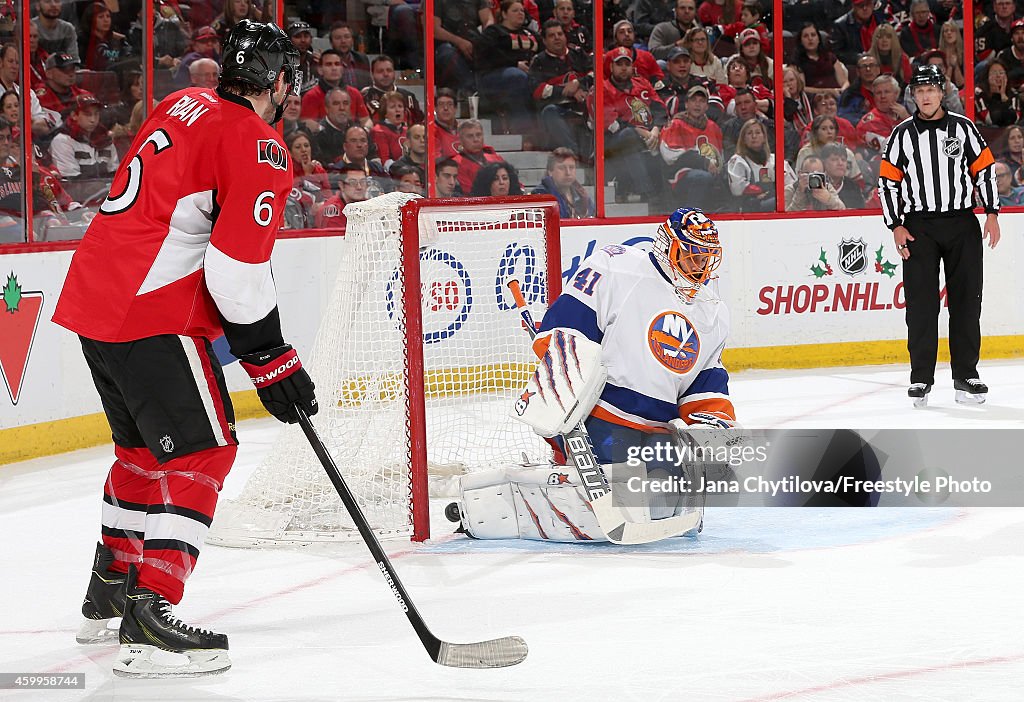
802	293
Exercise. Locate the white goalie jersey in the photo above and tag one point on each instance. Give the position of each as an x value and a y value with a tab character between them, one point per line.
662	356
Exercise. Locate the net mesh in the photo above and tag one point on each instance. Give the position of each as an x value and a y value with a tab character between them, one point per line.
476	361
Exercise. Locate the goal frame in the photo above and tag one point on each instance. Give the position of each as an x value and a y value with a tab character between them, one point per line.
412	301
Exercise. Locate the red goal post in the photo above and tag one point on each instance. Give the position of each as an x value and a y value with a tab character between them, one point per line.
411	212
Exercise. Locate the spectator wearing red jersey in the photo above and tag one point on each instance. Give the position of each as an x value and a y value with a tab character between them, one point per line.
444	132
389	131
331	77
632	120
738	76
691	147
644	63
851	34
922	32
60	91
473	154
559	82
875	127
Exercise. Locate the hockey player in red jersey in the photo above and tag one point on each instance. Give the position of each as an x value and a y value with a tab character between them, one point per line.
178	255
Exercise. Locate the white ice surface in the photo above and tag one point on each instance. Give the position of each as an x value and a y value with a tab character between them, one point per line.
767	604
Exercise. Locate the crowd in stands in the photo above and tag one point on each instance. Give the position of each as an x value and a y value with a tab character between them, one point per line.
689	100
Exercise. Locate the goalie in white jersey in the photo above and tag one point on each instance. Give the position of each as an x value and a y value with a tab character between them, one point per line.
634	345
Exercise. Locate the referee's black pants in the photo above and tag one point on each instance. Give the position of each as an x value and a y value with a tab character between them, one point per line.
956	242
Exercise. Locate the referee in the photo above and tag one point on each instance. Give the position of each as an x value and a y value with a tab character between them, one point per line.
932	166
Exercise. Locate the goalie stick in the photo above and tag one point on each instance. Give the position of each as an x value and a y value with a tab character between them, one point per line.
580	449
496	653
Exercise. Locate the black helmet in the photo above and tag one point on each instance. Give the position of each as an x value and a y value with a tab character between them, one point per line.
255	53
928	74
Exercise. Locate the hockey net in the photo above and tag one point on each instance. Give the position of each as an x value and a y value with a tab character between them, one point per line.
417	362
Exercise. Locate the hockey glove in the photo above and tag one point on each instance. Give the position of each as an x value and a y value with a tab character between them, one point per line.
280	382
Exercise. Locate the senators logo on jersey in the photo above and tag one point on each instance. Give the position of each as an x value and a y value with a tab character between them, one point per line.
673	341
269	151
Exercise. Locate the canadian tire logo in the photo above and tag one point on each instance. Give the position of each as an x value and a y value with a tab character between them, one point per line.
19	319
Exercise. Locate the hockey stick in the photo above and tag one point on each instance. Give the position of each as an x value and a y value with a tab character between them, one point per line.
613	521
496	653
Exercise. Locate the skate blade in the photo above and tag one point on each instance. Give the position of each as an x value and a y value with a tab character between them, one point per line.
920	402
144	661
966	398
99	631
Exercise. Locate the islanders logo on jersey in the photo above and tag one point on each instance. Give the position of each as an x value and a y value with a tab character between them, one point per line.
673	341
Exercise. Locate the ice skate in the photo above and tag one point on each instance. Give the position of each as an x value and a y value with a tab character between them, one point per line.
104	601
156	644
970	392
918	392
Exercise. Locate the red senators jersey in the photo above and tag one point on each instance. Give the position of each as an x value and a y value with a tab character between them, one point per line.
639	105
183	240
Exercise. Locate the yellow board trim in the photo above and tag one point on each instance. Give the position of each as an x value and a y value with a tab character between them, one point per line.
61	435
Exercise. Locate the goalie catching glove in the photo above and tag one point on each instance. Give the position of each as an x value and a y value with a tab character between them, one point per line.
281	382
565	387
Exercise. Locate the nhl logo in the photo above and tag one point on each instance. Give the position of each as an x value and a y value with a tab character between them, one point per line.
166	443
853	256
953	147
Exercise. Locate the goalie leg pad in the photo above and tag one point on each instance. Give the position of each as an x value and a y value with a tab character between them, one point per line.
565	387
542	504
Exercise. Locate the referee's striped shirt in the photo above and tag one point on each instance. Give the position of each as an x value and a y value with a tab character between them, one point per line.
933	166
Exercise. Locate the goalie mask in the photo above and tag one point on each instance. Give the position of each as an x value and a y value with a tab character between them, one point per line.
255	53
687	250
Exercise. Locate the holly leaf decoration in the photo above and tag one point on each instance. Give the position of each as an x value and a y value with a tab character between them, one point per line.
12	294
883	266
824	269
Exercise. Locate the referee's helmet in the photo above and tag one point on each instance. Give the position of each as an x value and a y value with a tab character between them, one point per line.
927	74
255	52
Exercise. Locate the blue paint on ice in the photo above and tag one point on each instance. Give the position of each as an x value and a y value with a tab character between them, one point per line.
746	530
